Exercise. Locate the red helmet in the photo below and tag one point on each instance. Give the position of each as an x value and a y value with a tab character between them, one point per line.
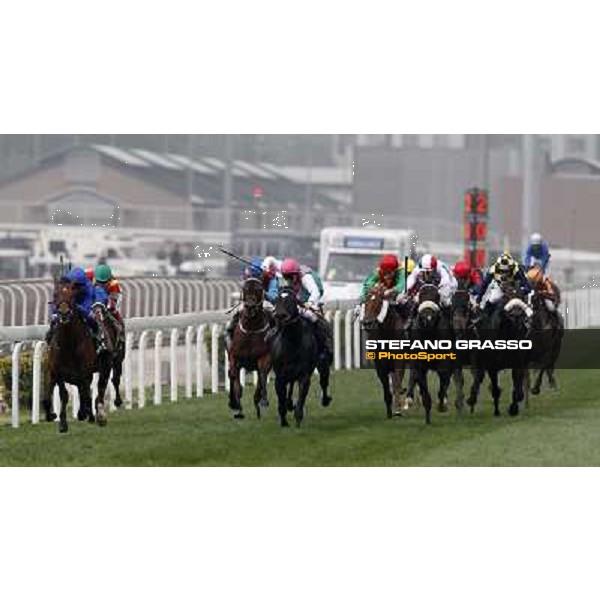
462	269
290	266
388	263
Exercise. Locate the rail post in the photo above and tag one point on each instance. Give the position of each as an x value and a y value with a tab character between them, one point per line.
157	366
38	353
173	361
16	355
128	370
214	358
348	338
337	345
142	369
199	361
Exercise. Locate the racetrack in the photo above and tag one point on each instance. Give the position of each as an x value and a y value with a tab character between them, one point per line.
558	428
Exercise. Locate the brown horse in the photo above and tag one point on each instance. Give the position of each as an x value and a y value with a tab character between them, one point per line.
382	319
72	359
248	349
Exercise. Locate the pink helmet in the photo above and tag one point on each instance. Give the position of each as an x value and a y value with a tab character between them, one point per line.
290	266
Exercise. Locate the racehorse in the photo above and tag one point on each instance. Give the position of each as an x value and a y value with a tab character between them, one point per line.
111	331
462	329
547	330
293	355
508	321
431	324
380	319
248	349
72	359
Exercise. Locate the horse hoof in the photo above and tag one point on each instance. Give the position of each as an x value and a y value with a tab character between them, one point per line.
326	400
81	415
513	410
398	413
535	391
101	421
63	427
239	415
91	418
443	407
285	424
118	403
496	413
51	417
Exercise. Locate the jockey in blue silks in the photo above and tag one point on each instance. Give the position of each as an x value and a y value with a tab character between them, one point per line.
538	253
85	296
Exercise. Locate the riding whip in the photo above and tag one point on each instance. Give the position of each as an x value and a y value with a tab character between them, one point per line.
232	255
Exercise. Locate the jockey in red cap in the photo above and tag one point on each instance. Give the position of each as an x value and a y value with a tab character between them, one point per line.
389	273
468	279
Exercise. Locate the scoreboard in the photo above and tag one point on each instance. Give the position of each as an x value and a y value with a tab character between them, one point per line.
476	226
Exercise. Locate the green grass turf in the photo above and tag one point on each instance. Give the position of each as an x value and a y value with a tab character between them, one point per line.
557	428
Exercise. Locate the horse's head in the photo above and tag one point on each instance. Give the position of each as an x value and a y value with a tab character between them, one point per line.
375	307
515	314
64	299
286	307
253	294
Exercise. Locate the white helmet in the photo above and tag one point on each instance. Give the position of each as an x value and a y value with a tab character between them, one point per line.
536	238
271	263
429	262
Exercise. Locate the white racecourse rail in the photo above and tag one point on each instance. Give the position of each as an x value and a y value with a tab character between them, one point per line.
198	334
25	302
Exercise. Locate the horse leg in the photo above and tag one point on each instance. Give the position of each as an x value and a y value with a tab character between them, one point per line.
324	382
459	384
496	391
535	390
264	366
551	379
282	399
396	379
383	375
517	393
117	370
303	387
478	375
425	395
63	426
85	402
445	377
47	401
290	401
104	374
412	383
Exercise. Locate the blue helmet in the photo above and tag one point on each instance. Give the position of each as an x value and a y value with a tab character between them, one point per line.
77	275
256	269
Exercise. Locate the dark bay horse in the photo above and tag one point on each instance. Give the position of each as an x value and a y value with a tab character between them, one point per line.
72	359
248	349
431	324
294	352
508	321
547	331
382	319
463	329
112	356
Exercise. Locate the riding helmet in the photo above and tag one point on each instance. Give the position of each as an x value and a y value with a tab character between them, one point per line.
290	266
388	263
102	273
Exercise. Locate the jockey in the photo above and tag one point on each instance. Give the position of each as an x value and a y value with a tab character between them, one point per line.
308	287
467	278
108	290
389	272
84	299
270	285
543	284
432	271
538	253
506	270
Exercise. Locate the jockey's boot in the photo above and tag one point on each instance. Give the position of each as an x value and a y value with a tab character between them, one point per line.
97	335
